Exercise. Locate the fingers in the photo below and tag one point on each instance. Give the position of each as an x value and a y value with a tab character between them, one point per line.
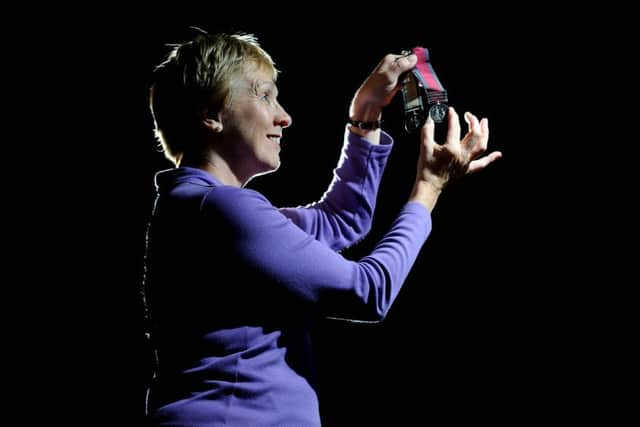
395	65
453	129
483	162
477	137
476	141
383	83
427	136
402	63
474	133
484	126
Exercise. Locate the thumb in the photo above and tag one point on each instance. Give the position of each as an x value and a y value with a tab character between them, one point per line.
427	137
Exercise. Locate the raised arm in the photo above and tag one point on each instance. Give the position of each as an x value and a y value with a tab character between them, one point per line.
257	236
343	216
265	242
344	213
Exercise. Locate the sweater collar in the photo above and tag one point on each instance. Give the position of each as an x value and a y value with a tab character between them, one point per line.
170	178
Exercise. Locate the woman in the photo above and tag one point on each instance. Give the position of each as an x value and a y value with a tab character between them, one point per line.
232	282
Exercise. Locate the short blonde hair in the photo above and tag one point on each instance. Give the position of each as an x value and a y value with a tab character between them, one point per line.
196	79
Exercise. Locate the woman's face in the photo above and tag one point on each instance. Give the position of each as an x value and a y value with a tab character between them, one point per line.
252	124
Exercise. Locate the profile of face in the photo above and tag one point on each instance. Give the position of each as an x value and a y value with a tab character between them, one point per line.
252	123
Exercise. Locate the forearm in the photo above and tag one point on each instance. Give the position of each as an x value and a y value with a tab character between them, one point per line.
343	216
426	194
366	113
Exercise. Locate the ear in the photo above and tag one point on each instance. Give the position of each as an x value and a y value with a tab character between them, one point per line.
212	121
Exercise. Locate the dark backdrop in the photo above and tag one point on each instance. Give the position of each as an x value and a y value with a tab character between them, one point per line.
474	334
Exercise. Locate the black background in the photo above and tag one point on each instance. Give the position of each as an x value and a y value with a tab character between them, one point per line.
480	332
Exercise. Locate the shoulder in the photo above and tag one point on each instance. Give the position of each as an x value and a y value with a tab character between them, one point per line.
239	206
223	197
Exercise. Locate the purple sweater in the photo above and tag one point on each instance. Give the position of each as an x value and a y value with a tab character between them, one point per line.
233	284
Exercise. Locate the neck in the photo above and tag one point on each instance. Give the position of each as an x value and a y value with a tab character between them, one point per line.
215	165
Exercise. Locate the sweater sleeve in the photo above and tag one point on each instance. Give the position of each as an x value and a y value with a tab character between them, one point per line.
343	215
267	242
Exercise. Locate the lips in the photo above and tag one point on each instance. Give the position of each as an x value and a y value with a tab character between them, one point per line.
275	138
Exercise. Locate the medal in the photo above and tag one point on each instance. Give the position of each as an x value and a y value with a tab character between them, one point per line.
414	114
438	112
422	76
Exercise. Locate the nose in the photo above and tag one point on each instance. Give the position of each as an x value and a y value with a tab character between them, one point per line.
283	118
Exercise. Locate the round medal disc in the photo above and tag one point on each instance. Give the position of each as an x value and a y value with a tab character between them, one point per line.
438	112
413	121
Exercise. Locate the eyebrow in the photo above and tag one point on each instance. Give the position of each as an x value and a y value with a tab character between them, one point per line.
271	85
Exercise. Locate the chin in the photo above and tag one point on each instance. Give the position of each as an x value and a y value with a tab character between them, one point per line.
272	165
268	170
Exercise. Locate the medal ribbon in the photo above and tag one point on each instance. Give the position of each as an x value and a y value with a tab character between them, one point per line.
426	75
423	75
424	71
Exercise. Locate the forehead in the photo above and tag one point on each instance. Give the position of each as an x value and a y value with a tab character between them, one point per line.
258	76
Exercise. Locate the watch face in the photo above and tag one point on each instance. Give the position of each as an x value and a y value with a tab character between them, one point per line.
438	112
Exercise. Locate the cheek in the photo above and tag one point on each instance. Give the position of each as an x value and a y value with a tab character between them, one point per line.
258	124
251	129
